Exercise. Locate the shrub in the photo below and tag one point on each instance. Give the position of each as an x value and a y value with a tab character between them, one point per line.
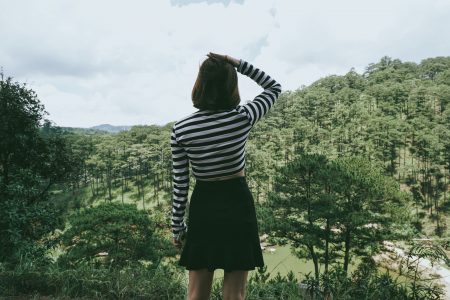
112	234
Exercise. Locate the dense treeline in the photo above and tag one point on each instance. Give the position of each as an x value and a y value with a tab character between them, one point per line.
396	114
137	157
372	144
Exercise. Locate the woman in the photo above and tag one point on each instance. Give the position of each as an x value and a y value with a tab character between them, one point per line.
223	231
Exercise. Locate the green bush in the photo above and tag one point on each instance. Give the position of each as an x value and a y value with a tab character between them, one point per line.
112	234
86	281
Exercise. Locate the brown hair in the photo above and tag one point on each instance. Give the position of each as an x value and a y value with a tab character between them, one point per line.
216	86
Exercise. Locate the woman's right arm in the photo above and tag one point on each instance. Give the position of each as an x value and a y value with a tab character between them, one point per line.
263	102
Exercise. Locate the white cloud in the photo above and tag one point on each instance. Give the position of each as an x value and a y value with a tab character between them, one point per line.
135	62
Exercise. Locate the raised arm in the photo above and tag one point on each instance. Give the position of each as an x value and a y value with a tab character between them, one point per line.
262	103
180	172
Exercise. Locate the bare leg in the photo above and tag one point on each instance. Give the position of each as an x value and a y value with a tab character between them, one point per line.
234	285
200	284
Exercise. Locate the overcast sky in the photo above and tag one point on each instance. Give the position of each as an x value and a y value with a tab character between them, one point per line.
135	62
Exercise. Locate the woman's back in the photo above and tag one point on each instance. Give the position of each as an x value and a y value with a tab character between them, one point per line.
213	141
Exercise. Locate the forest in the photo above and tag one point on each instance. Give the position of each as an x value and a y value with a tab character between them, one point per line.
343	171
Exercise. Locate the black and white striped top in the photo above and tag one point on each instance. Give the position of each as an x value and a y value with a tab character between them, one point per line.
213	141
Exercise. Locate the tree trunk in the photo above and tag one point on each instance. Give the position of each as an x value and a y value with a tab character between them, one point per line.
347	250
315	261
327	241
122	188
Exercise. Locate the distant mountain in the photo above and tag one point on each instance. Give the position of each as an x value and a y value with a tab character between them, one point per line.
99	129
111	128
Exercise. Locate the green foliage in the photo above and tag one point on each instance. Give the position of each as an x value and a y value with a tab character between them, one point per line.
34	156
418	251
396	115
133	281
366	283
112	234
332	209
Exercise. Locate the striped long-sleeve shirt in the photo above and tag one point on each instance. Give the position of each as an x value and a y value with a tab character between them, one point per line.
213	141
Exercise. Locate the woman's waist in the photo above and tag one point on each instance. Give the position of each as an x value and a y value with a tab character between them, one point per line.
240	174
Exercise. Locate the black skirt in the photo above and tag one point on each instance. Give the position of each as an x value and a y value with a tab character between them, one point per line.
222	227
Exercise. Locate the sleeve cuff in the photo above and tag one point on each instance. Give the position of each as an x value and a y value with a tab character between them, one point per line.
239	67
180	233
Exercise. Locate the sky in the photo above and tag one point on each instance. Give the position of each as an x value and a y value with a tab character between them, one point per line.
135	62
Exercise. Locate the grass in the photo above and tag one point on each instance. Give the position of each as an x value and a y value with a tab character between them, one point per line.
84	196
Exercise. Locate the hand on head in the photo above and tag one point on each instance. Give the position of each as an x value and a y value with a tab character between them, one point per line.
234	62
